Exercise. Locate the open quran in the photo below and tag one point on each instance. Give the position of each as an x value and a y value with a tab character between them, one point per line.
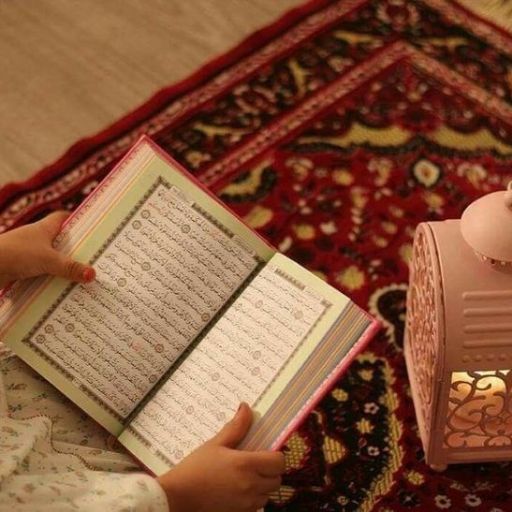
191	313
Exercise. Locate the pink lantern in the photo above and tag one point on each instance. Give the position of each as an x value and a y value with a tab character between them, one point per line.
458	340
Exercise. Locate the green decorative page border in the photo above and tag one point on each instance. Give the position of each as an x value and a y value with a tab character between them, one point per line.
28	339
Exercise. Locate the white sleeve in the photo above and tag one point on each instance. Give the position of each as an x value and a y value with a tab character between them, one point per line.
83	491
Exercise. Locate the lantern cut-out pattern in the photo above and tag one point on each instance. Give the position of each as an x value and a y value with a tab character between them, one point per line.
479	410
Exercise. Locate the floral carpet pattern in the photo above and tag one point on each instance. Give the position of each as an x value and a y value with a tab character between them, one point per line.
334	132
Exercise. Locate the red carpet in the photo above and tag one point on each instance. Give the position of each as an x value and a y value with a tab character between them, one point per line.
334	132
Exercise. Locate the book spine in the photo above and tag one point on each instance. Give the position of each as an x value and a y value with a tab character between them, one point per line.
193	344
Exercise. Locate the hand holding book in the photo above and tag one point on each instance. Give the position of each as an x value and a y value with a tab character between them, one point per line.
228	479
27	252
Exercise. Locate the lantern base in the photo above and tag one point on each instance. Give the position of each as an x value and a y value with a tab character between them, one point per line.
438	467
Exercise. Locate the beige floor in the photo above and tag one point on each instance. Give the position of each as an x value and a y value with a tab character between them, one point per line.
68	68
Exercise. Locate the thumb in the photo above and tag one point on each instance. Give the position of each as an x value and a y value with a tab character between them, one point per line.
52	223
63	266
234	431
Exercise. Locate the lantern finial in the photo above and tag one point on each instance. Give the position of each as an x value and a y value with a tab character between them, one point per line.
486	226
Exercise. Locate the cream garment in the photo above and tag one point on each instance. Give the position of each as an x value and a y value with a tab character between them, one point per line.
53	457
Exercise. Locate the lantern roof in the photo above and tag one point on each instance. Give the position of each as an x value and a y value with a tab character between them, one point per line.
486	226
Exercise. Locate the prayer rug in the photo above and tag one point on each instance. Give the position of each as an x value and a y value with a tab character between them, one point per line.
334	132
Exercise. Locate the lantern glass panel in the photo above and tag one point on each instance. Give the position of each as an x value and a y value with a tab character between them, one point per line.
479	410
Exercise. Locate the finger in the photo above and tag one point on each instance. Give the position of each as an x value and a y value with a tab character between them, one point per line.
234	431
266	463
52	223
268	485
62	266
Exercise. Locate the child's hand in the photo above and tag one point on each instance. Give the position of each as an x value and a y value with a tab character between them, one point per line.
28	252
218	478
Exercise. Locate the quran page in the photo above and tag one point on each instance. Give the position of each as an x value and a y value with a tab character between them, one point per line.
165	266
250	354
